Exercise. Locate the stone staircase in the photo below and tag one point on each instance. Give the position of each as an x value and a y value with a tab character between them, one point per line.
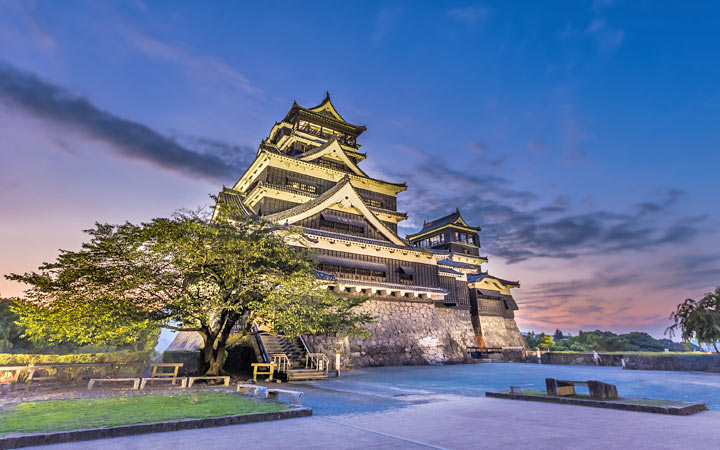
296	354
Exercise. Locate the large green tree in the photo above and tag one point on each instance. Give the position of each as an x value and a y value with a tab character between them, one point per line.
187	273
698	319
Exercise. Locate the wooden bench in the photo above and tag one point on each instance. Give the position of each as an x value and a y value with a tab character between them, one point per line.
224	379
253	389
11	375
135	381
182	380
597	389
295	396
270	370
51	373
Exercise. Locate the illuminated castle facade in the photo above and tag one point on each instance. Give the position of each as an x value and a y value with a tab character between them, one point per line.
427	290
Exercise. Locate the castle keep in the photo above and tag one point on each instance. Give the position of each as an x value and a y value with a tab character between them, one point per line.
428	291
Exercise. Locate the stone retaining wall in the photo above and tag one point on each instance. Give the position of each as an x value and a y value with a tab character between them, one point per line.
672	362
500	331
689	363
405	333
581	359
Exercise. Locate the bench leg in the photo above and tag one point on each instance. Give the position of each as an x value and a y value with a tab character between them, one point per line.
91	384
183	383
136	383
227	381
272	396
142	384
296	399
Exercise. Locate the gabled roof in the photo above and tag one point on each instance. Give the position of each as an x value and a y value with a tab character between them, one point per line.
479	276
344	193
234	199
325	110
454	218
451	263
332	148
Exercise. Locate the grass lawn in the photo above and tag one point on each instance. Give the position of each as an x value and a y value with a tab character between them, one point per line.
58	415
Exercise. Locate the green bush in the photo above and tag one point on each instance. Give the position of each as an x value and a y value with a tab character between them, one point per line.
192	361
7	359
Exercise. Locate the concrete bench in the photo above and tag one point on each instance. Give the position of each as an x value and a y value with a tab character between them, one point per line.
135	381
253	389
295	396
224	379
182	380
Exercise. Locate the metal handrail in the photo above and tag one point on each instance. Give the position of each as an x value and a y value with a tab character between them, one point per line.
319	361
261	345
304	344
282	361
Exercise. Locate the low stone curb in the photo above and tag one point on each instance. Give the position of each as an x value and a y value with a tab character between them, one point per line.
684	410
29	440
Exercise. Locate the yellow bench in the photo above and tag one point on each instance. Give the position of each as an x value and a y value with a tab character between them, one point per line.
270	370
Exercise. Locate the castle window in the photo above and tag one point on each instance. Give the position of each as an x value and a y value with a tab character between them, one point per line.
435	240
332	165
374	203
406	273
465	237
300	185
332	222
351	268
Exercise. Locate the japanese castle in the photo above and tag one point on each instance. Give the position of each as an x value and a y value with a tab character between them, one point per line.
428	291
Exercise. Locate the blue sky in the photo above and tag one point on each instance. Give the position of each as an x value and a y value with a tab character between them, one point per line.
582	136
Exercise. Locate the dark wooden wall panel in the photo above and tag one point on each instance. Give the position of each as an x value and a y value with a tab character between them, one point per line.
425	274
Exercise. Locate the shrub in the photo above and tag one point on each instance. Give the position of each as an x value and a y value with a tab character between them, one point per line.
7	359
192	361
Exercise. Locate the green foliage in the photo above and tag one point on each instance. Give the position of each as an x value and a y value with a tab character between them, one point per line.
603	341
534	341
13	337
192	360
186	273
57	415
10	333
78	358
546	342
698	319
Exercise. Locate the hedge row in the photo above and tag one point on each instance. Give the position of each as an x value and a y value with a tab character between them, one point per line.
8	359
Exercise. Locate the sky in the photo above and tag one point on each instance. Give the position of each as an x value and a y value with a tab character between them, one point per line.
582	136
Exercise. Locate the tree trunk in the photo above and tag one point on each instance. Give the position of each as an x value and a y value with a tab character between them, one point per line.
215	346
716	349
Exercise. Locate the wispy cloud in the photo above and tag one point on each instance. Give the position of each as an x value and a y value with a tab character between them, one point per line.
606	37
201	66
516	230
383	23
42	99
469	15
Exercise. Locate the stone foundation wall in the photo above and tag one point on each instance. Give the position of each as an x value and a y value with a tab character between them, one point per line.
500	332
689	363
405	333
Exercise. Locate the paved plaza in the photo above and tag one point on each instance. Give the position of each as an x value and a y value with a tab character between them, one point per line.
411	407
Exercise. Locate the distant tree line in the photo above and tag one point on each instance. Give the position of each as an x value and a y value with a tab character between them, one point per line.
604	341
